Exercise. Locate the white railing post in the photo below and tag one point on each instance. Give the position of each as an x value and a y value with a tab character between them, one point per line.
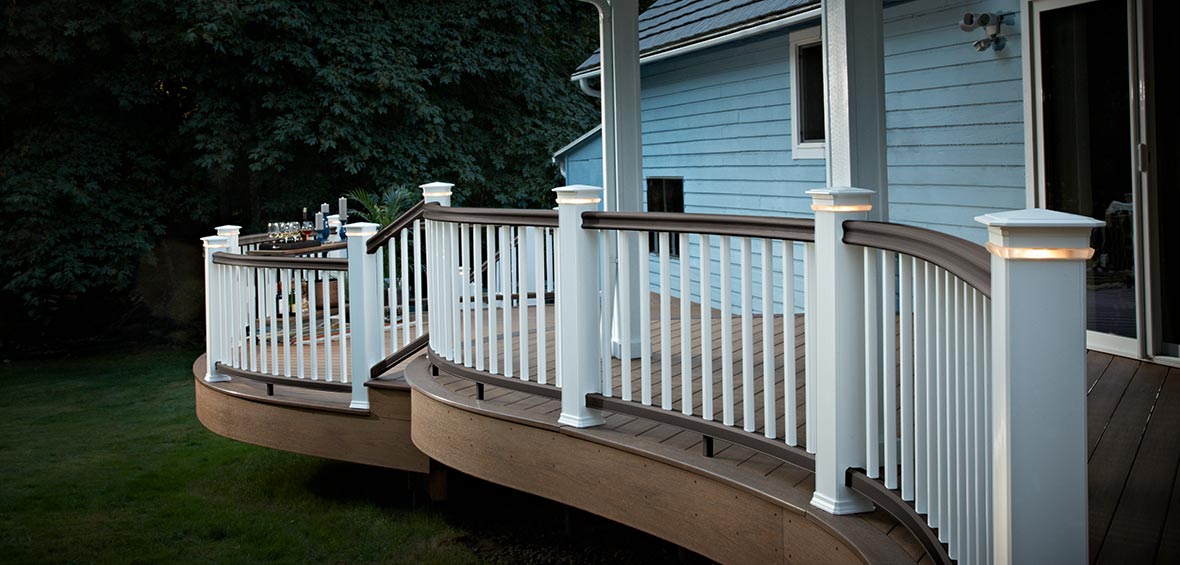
363	310
230	233
213	297
578	308
1038	430
437	193
839	348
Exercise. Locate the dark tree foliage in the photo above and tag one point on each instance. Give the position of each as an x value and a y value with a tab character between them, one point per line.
126	121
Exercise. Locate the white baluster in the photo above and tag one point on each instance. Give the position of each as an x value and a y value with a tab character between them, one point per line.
748	422
906	307
705	244
726	333
686	326
872	369
665	324
625	314
645	318
769	392
790	381
889	367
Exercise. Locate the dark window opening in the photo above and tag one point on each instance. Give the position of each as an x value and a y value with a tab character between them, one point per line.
665	195
810	98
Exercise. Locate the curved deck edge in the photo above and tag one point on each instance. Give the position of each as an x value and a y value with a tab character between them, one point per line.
674	500
379	436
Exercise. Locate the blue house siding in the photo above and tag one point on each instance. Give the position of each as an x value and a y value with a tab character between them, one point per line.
721	119
954	118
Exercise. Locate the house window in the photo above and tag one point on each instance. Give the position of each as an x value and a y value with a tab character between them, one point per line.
665	194
807	87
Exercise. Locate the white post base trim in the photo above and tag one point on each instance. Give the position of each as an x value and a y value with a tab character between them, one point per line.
616	348
215	378
359	405
830	505
582	421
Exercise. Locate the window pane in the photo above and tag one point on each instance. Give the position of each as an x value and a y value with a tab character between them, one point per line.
655	195
811	92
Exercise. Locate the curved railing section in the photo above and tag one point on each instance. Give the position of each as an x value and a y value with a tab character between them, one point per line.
928	385
741	280
492	291
399	249
279	320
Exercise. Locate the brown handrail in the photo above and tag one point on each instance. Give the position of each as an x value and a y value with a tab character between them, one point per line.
960	257
792	229
400	355
298	252
386	233
493	216
253	238
268	262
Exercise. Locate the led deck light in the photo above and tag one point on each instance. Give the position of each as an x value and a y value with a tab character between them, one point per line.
841	207
579	200
1040	254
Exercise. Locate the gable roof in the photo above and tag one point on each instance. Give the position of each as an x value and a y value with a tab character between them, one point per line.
669	24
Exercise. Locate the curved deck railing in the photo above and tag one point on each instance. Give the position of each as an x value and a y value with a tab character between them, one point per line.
927	383
280	320
491	308
904	400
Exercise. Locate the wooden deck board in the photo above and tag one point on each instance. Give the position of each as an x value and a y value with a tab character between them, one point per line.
1119	443
1142	509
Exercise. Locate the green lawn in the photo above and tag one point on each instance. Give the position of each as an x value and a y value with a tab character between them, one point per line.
103	460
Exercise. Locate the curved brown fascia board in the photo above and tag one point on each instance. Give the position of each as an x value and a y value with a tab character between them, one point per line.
904	512
265	262
791	229
386	233
492	216
960	257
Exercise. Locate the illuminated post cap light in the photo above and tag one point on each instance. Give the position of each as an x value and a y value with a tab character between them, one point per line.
1037	234
841	199
578	194
436	189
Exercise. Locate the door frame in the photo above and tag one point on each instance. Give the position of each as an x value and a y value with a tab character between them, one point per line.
1147	343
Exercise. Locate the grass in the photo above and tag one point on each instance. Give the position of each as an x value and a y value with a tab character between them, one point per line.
103	460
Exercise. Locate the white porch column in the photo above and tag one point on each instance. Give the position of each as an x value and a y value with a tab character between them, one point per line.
1038	313
577	276
213	316
854	55
231	234
437	192
363	313
839	348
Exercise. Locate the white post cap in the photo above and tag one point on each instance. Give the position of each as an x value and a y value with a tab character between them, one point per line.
436	189
228	230
841	199
215	241
578	194
361	229
333	219
1037	233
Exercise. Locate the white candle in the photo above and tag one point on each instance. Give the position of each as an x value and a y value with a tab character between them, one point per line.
324	209
319	220
343	209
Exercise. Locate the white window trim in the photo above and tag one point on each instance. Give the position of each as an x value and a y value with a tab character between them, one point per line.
799	150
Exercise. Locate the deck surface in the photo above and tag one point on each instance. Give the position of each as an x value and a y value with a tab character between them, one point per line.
1133	424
